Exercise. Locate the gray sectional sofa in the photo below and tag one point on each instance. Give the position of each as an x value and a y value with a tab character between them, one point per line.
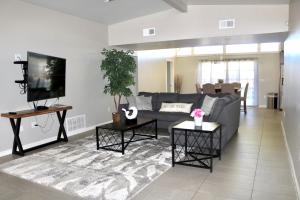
226	111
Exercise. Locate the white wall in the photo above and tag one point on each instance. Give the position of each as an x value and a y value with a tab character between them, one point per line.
25	27
152	74
201	21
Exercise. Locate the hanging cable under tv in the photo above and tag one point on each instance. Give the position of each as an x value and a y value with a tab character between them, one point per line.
23	83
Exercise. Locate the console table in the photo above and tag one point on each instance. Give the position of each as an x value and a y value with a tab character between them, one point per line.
15	120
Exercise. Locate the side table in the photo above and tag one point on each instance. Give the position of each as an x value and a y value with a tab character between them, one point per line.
196	146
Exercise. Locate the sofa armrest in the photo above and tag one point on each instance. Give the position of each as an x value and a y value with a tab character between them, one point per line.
230	120
231	113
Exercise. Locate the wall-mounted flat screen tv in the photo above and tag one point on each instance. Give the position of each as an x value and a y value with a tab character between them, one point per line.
46	77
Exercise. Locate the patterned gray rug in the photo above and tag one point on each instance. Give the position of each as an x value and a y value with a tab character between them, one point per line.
79	169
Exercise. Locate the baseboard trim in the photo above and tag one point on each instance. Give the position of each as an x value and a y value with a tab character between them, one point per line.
262	106
40	142
296	183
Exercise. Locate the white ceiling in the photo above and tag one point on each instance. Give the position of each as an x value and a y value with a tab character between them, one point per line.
107	13
232	2
122	10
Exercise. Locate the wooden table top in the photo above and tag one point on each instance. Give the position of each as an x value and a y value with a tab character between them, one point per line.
33	112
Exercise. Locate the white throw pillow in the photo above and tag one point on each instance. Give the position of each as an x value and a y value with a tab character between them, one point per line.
208	104
143	103
176	107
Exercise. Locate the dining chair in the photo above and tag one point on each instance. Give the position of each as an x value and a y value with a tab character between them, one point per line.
198	88
218	85
227	88
244	98
237	85
208	88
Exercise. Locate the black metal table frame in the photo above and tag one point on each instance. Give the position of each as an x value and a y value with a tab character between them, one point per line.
17	144
209	156
124	144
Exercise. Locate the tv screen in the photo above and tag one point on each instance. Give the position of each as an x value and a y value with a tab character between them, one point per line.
46	77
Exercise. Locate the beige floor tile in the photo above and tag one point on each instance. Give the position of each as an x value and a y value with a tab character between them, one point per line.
254	166
210	196
273	187
221	170
279	163
179	182
165	193
263	195
226	191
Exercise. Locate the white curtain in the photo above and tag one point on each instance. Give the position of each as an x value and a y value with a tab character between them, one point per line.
242	71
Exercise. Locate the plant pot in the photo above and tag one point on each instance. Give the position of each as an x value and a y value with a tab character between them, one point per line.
116	117
198	121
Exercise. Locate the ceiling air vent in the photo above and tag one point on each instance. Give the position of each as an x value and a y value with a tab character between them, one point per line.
149	32
227	24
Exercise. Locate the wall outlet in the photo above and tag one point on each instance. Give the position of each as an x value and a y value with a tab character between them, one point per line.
18	57
108	109
34	125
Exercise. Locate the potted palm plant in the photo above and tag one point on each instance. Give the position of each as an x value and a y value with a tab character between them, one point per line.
118	67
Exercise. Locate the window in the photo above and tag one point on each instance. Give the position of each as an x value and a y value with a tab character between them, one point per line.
242	71
158	53
270	47
184	51
242	48
212	71
208	50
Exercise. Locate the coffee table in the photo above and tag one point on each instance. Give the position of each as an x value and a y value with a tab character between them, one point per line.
196	146
112	136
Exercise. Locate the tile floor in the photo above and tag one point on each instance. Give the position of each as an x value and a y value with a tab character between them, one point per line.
254	166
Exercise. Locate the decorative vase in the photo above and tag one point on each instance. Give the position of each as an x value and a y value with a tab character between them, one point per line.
116	117
198	121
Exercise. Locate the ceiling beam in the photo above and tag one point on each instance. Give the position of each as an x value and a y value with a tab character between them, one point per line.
226	40
179	5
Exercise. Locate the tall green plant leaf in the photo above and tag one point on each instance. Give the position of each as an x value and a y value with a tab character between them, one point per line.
119	67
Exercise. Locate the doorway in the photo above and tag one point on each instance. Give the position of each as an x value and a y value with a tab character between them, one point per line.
170	76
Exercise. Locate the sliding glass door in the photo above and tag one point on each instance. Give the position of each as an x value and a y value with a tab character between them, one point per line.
242	71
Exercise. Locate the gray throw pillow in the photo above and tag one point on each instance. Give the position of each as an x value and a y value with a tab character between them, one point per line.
143	103
131	101
208	104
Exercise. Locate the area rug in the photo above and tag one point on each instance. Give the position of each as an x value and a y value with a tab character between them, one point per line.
79	169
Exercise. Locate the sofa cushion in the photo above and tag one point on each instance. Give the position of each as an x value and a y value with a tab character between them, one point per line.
143	103
163	116
196	99
217	109
131	100
208	104
154	99
176	107
220	105
167	98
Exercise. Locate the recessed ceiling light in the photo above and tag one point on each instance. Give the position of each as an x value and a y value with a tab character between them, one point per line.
106	1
